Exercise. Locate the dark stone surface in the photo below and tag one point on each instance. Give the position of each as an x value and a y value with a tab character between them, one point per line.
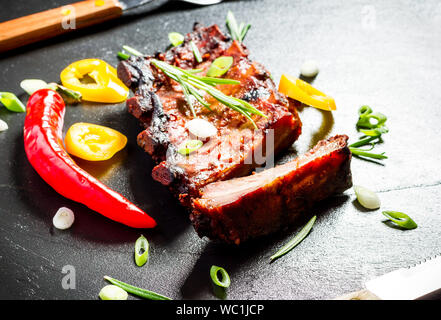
391	63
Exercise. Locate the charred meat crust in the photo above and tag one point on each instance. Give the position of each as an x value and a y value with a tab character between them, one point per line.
275	201
159	104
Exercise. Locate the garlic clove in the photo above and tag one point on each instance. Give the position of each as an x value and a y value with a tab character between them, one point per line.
367	198
63	219
201	128
309	69
3	125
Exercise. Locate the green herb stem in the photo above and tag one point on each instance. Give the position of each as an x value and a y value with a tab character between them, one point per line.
237	31
132	51
363	142
196	52
146	294
364	153
190	84
372	133
123	56
295	241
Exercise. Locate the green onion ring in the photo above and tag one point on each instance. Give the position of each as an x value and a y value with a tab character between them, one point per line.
220	66
141	251
225	282
401	219
189	146
175	38
11	102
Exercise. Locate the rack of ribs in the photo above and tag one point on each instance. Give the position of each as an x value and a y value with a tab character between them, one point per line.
243	208
237	148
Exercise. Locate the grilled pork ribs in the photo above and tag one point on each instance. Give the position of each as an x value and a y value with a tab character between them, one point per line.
238	147
247	207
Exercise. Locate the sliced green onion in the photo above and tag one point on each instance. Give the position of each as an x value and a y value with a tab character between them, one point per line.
367	198
401	219
71	96
175	38
132	51
376	132
141	251
190	146
362	153
220	66
32	85
363	142
372	132
197	54
11	102
365	120
146	294
296	240
364	110
225	281
112	292
123	56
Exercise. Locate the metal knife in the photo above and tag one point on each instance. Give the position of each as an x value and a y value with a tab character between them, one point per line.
422	281
47	24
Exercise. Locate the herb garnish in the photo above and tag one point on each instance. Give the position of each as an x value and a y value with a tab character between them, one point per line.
196	52
296	240
237	31
372	133
143	293
191	85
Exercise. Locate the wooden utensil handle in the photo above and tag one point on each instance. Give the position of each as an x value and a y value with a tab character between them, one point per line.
21	31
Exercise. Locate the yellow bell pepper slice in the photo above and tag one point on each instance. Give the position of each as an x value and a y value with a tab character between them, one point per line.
93	142
95	80
305	93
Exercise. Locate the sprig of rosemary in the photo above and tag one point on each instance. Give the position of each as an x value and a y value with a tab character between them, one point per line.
143	293
296	240
192	85
372	133
237	31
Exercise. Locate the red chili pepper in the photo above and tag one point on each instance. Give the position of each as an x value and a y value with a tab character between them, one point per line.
45	151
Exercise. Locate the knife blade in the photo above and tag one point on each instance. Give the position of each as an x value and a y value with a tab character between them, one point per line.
421	281
408	283
131	4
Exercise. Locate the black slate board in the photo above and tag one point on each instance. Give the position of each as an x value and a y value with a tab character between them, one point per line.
385	54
